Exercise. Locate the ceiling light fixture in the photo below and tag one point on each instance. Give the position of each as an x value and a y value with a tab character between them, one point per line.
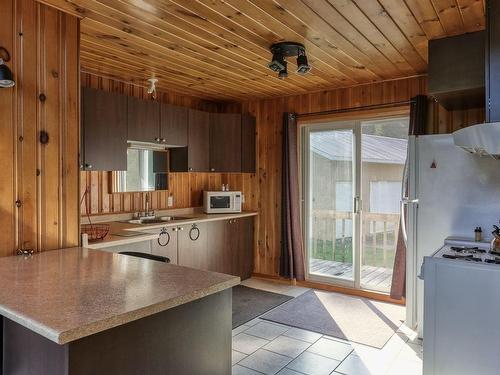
6	78
152	87
281	51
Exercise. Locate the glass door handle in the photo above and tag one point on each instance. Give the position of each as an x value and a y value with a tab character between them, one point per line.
356	205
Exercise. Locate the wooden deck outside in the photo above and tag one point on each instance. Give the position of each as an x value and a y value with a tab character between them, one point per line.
379	278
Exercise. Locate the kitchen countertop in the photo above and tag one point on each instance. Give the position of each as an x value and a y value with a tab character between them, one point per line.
122	233
72	293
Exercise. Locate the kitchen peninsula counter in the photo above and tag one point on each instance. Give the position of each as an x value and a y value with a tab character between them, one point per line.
76	305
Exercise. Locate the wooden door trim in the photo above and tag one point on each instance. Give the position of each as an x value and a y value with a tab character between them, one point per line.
333	288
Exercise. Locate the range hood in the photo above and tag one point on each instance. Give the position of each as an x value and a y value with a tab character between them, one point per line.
481	139
484	139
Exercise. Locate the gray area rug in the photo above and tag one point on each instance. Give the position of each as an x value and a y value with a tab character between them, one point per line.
249	303
350	318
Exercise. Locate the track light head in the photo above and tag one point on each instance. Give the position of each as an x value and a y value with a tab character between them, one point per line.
278	62
283	73
281	51
303	66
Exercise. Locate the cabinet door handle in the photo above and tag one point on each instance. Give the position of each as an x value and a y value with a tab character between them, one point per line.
157	139
88	166
190	169
163	140
180	228
163	232
212	169
195	236
174	229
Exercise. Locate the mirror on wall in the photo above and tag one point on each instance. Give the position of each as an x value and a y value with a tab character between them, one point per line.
147	170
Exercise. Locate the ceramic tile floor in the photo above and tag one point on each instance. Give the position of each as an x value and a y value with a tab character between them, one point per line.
262	347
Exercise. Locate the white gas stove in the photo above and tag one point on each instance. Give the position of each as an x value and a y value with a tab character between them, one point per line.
461	309
469	251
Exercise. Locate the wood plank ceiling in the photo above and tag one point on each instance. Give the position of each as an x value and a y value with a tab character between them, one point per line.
219	49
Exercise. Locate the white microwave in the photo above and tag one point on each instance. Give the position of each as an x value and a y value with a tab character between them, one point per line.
222	202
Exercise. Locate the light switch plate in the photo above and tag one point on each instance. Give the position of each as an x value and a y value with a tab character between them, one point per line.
170	201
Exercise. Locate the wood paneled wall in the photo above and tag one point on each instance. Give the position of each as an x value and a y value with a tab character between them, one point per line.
441	121
43	44
186	188
269	114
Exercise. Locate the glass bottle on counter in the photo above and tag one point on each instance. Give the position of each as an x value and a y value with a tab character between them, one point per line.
478	234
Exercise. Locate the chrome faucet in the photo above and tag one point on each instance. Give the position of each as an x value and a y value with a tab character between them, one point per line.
147	214
147	203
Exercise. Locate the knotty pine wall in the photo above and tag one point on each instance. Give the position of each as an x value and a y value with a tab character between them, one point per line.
186	188
43	44
441	121
269	115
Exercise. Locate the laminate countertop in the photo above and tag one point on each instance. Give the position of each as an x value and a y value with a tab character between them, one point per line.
122	232
68	294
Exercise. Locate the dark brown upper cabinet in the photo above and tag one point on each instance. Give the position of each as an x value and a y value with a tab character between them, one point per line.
225	142
104	130
248	139
194	157
143	120
173	125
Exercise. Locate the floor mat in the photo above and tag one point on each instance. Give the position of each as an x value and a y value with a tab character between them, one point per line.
347	317
249	303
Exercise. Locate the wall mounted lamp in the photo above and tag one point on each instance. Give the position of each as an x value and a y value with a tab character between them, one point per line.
6	78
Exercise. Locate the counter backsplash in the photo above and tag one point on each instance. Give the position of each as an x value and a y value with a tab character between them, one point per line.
185	188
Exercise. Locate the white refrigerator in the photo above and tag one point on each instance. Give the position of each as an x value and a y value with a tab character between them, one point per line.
450	192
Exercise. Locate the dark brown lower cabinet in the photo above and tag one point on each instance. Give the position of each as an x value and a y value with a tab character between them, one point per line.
192	246
230	246
166	244
242	236
224	246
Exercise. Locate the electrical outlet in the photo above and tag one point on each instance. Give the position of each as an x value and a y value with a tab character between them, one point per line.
170	201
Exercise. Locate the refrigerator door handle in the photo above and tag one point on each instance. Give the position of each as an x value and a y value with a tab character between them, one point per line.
404	202
408	201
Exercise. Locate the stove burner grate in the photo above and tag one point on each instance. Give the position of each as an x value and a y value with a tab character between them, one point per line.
471	250
468	257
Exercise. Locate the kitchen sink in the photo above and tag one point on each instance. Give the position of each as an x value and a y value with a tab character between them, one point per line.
157	220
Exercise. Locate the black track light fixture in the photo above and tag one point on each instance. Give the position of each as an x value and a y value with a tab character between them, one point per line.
6	78
281	51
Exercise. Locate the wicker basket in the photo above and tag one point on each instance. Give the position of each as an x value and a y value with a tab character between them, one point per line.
95	231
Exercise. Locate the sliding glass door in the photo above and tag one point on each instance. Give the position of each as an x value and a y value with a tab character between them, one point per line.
352	178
